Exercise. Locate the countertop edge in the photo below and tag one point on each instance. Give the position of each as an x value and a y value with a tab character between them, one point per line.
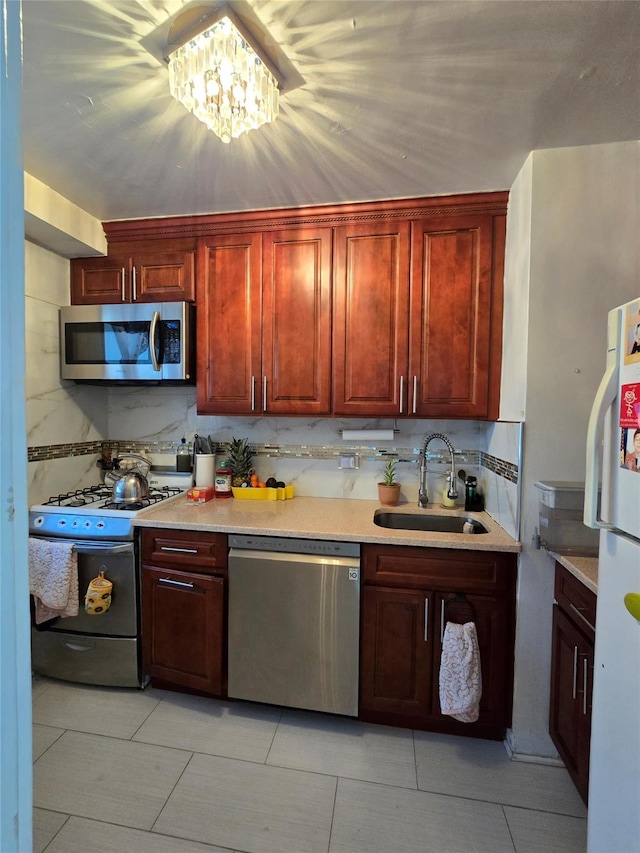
585	569
339	519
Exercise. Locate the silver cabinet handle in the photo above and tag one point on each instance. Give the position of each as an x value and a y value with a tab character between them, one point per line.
171	582
179	550
253	393
426	620
264	393
575	671
415	395
577	611
134	289
152	340
442	621
122	282
584	684
401	393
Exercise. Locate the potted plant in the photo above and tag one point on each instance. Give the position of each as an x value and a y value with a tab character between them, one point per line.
388	489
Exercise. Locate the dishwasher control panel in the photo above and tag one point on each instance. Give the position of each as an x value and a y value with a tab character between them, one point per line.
295	546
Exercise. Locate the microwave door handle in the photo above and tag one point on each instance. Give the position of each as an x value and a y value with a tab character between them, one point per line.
152	340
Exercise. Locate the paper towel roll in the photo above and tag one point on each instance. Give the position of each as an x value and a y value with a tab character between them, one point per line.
367	434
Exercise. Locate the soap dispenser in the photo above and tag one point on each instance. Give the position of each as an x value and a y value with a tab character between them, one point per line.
473	500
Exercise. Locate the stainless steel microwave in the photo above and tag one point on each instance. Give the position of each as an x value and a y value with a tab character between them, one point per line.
132	344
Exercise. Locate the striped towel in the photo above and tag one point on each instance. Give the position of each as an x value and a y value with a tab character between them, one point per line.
460	673
53	579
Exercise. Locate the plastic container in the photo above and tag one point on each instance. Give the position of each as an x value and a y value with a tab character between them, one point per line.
561	525
249	494
199	494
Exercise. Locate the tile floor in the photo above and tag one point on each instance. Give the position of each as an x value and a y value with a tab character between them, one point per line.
157	772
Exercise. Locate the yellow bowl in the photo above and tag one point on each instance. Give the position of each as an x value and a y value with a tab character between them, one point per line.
249	494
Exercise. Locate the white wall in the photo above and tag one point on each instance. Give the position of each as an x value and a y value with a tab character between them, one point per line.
57	412
584	260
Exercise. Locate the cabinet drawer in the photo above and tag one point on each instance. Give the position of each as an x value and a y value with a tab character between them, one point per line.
438	568
577	600
186	549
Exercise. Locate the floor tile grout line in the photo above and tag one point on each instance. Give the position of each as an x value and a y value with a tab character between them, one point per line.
58	831
171	792
333	813
508	825
275	732
155	708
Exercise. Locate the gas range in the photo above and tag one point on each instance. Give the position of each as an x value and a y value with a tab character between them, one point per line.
91	513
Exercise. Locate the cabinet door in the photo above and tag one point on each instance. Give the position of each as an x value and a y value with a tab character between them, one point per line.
570	707
371	304
228	324
100	281
296	322
183	629
396	654
163	277
452	357
494	626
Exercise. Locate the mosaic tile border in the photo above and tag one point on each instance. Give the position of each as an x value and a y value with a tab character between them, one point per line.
474	458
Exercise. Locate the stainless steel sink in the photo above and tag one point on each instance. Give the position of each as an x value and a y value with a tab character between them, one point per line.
428	523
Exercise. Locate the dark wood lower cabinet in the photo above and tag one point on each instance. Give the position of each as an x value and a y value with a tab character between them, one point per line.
182	640
405	600
184	610
573	641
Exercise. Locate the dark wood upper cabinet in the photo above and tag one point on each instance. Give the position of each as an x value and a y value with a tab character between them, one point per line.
264	323
296	322
452	312
372	309
228	319
371	313
154	271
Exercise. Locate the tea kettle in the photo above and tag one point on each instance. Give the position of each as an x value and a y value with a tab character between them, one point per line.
130	483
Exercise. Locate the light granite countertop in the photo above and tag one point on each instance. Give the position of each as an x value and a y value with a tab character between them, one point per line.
583	568
339	519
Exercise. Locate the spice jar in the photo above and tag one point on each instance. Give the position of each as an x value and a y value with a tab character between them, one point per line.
222	482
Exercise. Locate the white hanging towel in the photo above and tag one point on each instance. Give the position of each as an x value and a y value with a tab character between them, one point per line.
53	579
460	673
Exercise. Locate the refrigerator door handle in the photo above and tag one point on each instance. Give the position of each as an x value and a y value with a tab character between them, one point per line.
604	399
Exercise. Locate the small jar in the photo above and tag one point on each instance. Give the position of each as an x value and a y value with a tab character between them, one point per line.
222	482
183	457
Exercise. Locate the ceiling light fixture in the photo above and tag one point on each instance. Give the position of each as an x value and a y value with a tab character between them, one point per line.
221	75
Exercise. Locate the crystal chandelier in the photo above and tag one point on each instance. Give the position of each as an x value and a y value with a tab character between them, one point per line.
219	77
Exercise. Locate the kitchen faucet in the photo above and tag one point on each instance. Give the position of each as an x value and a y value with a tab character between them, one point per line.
423	498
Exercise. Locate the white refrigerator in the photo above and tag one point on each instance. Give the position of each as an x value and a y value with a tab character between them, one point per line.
613	457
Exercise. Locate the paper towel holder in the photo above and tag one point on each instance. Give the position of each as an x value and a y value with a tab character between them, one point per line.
370	434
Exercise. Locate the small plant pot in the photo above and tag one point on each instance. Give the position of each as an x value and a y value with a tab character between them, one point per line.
389	495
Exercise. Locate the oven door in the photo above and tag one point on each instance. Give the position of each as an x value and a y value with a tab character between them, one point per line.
117	561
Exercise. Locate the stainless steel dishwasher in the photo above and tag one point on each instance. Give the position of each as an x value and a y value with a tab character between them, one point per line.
294	614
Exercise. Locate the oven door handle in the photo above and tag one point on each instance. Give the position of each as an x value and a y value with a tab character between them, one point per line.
91	547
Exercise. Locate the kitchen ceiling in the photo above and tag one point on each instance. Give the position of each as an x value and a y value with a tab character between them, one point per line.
386	99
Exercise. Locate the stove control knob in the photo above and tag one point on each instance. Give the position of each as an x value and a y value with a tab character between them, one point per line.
75	523
100	525
39	521
87	525
62	522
